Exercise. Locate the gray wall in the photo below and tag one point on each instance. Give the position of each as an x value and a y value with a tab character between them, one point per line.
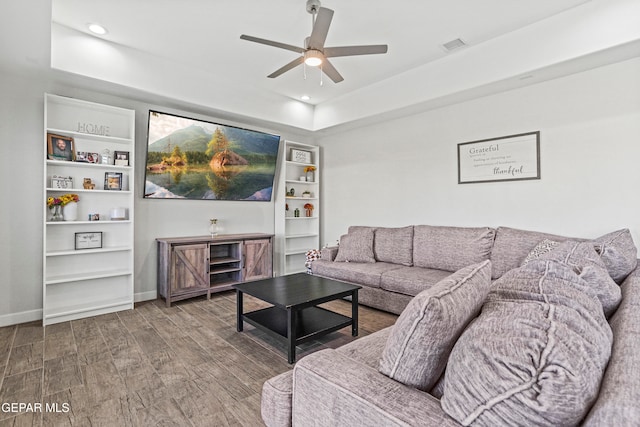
402	172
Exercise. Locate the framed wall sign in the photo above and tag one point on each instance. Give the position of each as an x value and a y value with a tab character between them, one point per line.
506	158
89	240
300	156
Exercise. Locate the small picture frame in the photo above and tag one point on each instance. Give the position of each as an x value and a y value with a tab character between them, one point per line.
121	158
113	181
94	217
300	156
89	240
61	182
85	157
60	147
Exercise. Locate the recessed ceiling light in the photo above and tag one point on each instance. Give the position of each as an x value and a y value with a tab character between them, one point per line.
305	97
97	29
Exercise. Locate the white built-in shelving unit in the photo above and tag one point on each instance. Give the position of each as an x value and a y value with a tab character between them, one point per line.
79	283
296	235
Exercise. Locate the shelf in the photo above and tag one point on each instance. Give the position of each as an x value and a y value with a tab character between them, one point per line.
301	198
90	136
89	251
87	165
224	270
301	217
79	283
291	163
295	181
82	190
300	236
297	252
223	260
80	277
103	221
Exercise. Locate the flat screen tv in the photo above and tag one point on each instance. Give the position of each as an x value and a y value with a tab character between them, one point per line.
196	159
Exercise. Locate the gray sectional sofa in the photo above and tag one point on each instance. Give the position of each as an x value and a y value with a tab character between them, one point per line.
496	327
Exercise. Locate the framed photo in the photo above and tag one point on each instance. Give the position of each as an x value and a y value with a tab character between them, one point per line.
300	156
83	156
60	148
62	182
121	158
89	240
113	181
506	158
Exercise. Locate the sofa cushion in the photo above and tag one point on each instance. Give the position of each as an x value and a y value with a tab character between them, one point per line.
275	406
356	246
618	253
394	245
364	274
411	280
587	264
537	352
512	245
450	248
419	344
367	349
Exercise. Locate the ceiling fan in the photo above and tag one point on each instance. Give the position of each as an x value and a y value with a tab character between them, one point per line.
314	53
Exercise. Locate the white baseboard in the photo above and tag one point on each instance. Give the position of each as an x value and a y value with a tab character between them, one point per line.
22	317
145	296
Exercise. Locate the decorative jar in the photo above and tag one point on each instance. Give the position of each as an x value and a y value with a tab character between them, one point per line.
213	227
70	211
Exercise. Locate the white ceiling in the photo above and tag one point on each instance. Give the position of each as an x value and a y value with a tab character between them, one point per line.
190	52
206	34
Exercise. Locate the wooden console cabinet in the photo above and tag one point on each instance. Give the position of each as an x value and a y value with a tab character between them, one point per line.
192	266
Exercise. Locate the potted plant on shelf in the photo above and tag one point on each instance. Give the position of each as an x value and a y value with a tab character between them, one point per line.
308	170
308	207
306	194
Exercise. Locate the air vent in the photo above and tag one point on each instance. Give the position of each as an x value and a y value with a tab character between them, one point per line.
453	45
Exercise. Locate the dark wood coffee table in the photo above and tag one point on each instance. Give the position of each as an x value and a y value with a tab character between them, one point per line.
294	314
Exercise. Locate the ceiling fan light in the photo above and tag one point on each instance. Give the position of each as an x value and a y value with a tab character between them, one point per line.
313	58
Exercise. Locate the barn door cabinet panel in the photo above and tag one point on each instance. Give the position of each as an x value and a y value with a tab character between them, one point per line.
193	266
258	259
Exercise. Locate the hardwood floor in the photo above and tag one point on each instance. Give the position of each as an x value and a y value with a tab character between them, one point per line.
185	366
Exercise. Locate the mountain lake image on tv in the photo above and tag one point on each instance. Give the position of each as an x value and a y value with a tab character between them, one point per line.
196	159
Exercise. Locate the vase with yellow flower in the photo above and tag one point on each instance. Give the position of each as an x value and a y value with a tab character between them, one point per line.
63	208
308	170
308	208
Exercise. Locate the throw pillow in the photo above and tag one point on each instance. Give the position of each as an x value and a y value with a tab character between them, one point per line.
356	246
545	246
587	264
618	253
451	248
394	245
537	352
419	344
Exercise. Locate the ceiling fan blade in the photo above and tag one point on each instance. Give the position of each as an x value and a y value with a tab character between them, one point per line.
331	72
332	52
320	28
286	68
272	43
